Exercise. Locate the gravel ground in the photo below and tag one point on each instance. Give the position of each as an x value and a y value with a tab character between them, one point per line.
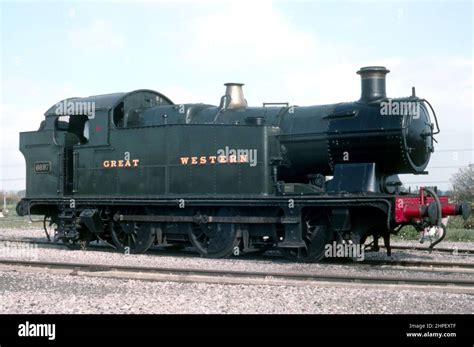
53	293
11	233
192	261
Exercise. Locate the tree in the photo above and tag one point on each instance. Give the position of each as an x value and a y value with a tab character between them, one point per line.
463	190
463	184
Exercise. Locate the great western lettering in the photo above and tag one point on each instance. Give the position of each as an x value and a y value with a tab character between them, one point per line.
108	164
224	156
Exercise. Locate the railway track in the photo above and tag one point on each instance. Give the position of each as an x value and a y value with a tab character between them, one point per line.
432	266
442	250
421	266
460	285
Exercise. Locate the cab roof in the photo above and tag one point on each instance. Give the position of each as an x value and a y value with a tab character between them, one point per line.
140	97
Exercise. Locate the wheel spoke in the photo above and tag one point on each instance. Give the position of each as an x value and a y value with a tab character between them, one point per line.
214	240
138	237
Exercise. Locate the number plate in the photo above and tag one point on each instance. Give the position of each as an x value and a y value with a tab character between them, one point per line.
42	167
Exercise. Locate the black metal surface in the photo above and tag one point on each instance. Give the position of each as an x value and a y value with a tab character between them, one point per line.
91	219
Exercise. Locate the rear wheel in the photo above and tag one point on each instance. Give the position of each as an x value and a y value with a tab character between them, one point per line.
132	237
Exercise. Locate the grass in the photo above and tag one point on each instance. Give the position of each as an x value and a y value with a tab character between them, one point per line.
464	235
12	221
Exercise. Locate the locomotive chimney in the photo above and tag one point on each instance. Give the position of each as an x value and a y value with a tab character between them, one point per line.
373	83
234	96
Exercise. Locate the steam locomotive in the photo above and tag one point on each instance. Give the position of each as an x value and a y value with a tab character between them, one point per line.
136	170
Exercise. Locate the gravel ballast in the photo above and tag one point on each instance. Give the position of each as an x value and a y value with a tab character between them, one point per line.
53	293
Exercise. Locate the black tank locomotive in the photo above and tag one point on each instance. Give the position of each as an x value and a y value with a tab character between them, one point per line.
136	170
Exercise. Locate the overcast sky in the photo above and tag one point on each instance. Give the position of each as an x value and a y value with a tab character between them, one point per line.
304	52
